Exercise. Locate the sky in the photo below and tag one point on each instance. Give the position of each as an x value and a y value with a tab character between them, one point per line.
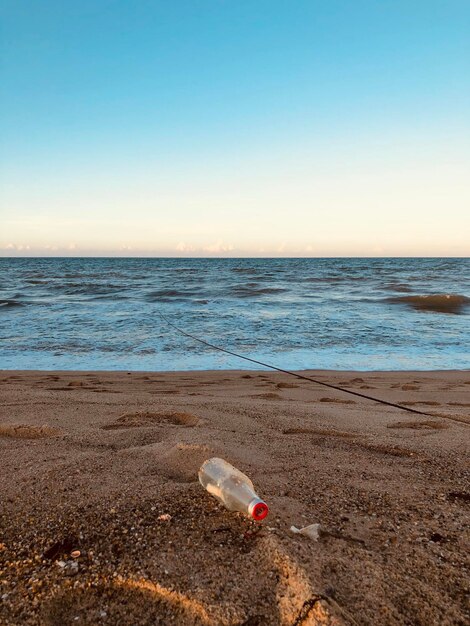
235	128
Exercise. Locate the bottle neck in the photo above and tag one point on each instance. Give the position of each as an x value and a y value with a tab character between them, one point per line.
258	509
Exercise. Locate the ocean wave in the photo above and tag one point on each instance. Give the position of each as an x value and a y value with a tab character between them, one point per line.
185	270
344	278
399	287
10	303
86	289
169	295
107	296
87	276
324	279
244	270
252	290
439	303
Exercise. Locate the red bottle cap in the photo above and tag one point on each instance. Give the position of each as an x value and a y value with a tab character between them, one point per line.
259	510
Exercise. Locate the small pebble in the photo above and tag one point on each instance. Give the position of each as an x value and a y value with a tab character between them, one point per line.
71	568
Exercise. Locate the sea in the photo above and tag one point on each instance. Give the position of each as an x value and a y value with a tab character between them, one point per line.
317	313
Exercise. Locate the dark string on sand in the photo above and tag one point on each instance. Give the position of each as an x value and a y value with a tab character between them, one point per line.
301	376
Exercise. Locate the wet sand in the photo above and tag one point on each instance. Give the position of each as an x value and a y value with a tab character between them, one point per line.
104	466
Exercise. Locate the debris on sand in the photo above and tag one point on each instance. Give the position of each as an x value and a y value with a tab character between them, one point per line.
312	531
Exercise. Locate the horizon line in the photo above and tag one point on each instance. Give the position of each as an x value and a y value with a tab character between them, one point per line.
340	256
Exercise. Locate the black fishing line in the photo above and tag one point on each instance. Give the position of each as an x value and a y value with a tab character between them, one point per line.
301	376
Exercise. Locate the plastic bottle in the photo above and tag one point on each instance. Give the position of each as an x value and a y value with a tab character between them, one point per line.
232	488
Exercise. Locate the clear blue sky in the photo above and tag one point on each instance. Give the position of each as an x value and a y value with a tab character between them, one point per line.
217	127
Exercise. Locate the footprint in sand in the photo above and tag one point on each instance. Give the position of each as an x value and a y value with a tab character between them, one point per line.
267	396
387	449
25	431
297	431
73	385
144	419
421	425
337	400
181	462
121	440
317	431
426	402
458	496
76	385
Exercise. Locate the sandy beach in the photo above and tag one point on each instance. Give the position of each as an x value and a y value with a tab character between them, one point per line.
103	520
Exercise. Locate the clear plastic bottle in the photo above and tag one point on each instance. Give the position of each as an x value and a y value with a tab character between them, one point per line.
232	488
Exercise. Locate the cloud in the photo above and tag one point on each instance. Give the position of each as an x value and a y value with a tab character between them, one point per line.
17	247
219	246
184	247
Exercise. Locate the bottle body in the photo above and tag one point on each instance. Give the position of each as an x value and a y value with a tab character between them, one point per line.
232	488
